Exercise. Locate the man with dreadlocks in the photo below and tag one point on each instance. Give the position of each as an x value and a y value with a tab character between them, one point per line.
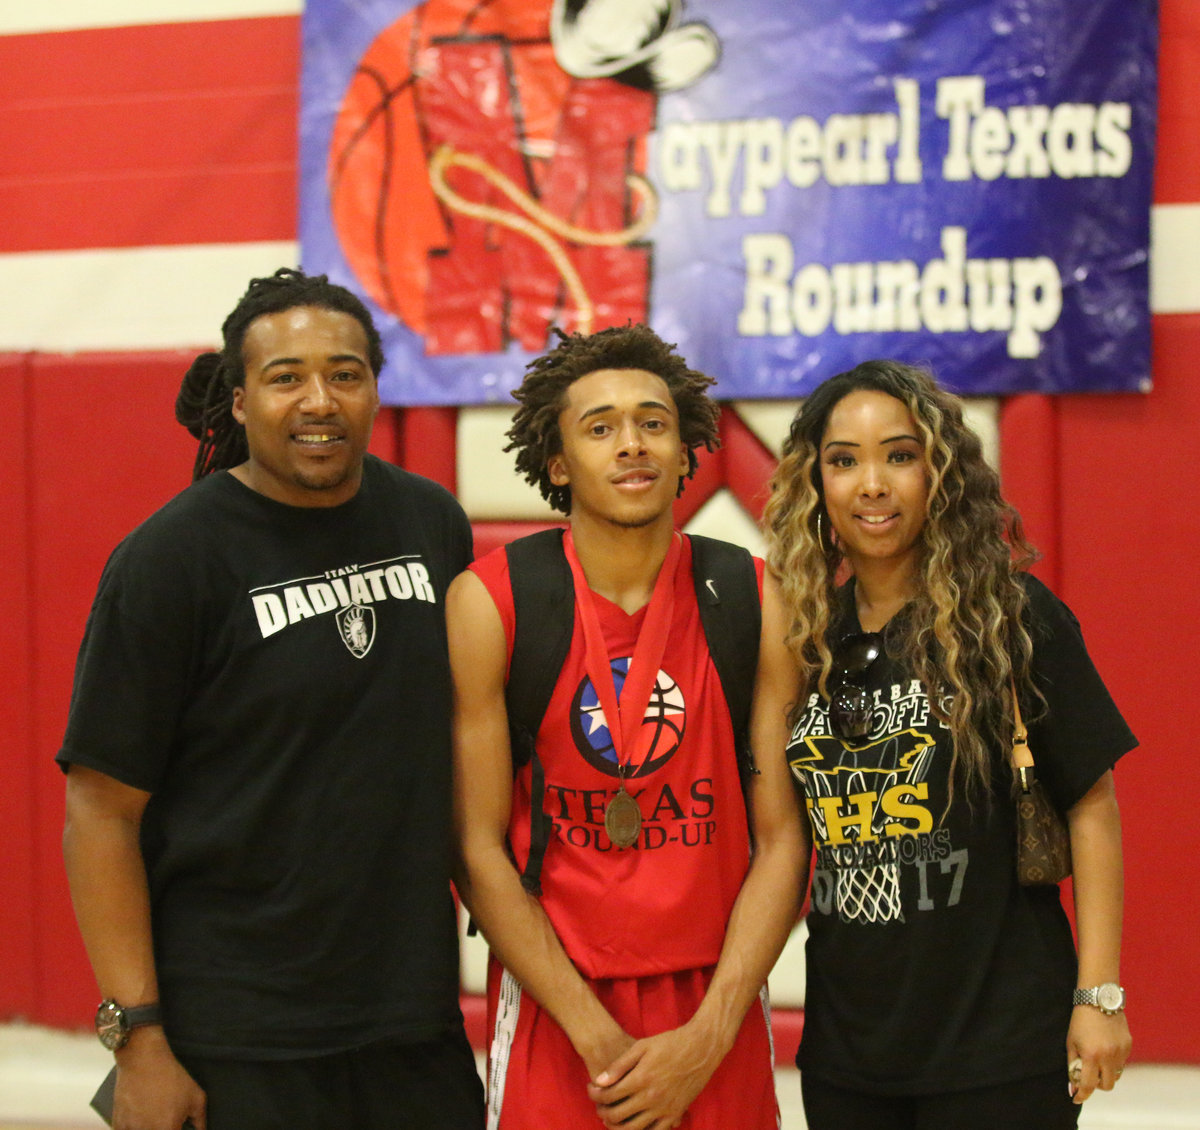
629	959
258	833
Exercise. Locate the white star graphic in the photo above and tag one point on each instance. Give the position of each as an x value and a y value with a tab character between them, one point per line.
595	715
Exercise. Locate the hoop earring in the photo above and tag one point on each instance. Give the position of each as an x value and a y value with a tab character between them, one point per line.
828	543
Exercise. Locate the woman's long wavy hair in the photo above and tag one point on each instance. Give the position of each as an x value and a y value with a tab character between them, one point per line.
963	634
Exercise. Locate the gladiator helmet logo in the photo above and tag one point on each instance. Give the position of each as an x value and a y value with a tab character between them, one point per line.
357	627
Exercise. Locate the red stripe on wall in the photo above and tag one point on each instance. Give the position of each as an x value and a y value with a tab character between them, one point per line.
1029	471
428	445
139	136
186	133
1130	548
101	460
748	464
18	981
1177	172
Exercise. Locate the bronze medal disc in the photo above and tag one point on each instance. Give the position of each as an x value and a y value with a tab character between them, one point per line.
623	819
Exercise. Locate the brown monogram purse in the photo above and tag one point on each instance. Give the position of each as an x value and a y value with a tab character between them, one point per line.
1043	843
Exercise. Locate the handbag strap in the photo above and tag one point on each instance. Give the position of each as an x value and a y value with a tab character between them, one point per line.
1022	755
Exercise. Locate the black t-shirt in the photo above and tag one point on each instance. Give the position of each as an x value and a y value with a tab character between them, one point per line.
277	678
930	969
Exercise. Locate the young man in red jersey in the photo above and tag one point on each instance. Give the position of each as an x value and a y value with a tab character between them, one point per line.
626	983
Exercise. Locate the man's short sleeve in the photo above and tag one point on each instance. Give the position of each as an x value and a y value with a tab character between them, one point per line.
132	671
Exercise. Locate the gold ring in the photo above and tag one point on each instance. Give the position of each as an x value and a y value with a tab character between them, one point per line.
1075	1070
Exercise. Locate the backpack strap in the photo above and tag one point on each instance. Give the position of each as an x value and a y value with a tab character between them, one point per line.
543	592
731	612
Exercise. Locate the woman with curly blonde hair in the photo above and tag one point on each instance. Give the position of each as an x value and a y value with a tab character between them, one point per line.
941	992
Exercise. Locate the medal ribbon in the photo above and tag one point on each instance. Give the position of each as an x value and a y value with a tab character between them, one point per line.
625	716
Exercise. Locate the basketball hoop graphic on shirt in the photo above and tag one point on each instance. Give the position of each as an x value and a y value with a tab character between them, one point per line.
658	739
356	624
867	887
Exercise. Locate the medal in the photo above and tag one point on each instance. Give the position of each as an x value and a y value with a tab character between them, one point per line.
622	819
624	717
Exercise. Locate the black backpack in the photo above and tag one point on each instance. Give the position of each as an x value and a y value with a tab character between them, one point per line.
544	600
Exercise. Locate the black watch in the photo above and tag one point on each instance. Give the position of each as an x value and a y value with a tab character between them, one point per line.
114	1022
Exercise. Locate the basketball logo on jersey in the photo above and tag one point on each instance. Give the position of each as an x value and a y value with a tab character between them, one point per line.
658	740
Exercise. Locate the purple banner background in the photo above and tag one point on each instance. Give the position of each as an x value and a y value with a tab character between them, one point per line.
965	184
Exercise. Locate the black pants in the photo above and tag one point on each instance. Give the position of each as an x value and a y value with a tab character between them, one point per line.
1040	1103
387	1086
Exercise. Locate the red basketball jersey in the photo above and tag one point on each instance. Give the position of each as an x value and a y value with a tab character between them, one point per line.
661	905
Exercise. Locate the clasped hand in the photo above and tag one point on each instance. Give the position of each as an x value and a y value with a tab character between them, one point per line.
652	1083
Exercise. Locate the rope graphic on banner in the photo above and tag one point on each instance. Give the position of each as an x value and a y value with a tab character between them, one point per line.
539	224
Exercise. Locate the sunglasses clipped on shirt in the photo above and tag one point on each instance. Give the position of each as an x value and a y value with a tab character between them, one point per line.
850	705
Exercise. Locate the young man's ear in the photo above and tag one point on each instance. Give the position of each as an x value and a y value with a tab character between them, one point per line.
557	472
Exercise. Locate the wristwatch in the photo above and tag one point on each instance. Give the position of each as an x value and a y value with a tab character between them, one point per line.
114	1022
1109	998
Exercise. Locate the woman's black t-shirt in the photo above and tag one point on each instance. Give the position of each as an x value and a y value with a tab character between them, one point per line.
930	968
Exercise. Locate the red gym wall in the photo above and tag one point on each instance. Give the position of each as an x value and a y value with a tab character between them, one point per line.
1105	482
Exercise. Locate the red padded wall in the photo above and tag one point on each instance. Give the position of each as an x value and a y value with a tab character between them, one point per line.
18	949
104	453
159	134
1177	173
1131	552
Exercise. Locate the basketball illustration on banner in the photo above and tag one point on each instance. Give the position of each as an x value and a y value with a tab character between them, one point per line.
487	167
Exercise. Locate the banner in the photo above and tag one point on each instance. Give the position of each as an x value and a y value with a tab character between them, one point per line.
783	188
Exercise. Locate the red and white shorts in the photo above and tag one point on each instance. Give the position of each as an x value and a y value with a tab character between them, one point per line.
536	1080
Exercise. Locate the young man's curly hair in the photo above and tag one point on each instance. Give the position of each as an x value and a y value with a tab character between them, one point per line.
534	434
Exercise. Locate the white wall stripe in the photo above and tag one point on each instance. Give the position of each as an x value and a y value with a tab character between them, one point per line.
787	980
488	488
1174	251
139	298
723	516
168	297
19	17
